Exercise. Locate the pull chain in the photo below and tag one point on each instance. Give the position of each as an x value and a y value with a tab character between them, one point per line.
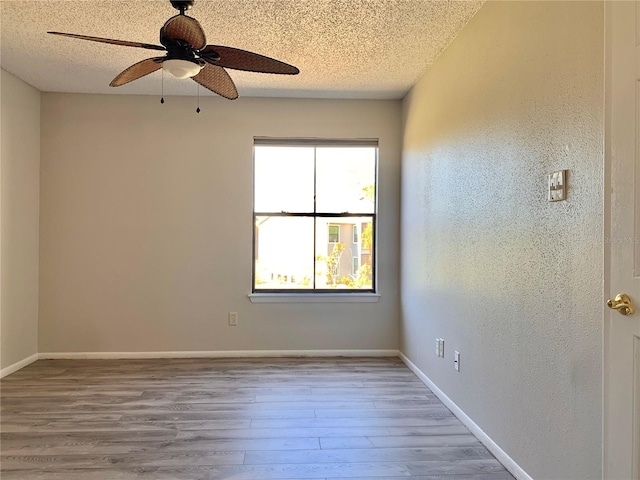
162	97
198	109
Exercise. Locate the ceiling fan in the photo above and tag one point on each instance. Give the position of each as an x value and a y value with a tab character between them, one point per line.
188	55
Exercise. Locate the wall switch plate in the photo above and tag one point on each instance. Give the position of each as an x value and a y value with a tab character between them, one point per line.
557	186
441	347
233	319
456	361
437	347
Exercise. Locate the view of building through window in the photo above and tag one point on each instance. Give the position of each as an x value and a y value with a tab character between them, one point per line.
314	217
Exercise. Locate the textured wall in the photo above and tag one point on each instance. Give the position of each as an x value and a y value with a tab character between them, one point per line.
511	281
146	225
20	105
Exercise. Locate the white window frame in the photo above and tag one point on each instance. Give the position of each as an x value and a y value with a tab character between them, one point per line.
259	295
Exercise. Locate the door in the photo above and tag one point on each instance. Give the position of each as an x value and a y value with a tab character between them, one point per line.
622	245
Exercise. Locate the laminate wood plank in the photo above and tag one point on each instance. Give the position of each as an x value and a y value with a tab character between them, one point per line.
249	433
106	474
368	389
463	440
361	455
361	397
70	426
424	430
345	442
135	474
473	476
405	404
443	419
164	405
439	440
179	416
48	393
236	419
138	459
424	412
94	445
378	470
38	438
71	416
460	467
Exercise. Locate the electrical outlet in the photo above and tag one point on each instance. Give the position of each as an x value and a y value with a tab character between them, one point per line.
233	319
456	361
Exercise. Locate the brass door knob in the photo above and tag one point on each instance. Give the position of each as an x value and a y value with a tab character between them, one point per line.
622	303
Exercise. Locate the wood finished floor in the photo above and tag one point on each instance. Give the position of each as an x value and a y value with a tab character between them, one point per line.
240	419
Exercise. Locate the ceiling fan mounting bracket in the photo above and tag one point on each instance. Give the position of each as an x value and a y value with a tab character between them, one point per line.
182	5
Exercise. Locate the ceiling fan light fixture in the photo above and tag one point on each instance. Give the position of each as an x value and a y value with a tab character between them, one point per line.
181	68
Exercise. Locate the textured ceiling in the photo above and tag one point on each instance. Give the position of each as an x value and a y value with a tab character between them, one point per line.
343	48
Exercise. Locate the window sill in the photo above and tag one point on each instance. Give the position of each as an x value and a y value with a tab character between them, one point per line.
314	297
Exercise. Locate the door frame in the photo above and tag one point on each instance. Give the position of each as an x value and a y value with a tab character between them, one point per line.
606	232
608	317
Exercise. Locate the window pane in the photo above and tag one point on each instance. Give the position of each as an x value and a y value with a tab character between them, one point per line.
283	179
346	179
283	253
344	264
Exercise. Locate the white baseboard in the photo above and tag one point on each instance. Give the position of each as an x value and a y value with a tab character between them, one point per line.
221	354
18	365
492	446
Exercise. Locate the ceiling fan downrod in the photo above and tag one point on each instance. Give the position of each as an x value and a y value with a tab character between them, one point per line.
182	5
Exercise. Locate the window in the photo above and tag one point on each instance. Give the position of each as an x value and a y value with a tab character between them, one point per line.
355	266
310	199
334	233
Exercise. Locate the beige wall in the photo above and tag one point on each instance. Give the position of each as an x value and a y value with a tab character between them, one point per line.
511	281
146	225
20	139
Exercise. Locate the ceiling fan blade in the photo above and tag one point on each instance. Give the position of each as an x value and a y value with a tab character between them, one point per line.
243	60
123	43
181	27
136	71
217	80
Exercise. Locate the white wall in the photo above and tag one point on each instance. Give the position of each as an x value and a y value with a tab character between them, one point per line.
146	225
511	281
20	165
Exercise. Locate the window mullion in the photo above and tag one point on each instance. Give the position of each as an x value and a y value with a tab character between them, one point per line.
286	214
315	221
